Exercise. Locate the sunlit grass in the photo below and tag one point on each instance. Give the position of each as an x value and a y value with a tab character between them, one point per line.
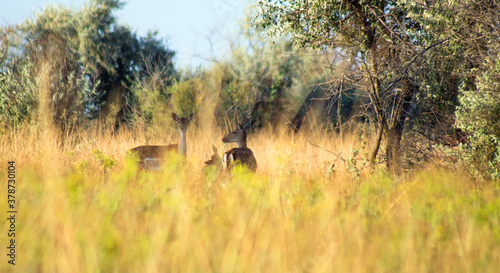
80	213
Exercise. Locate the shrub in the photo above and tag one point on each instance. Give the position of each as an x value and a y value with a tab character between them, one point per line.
479	114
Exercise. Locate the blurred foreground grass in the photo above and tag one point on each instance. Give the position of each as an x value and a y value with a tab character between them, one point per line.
80	213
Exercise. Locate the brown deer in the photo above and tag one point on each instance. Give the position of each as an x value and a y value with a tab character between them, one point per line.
215	161
242	154
151	156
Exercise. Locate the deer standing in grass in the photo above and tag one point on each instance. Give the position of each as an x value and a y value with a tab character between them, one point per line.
151	156
242	154
213	161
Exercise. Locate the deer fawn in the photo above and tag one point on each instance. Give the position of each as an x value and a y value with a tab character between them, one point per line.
214	161
151	156
241	154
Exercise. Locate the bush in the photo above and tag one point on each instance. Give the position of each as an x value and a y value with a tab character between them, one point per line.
479	114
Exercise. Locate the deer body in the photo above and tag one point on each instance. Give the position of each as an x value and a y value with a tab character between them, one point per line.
150	156
242	154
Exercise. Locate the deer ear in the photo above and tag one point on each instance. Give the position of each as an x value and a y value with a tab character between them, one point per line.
174	116
214	149
240	127
191	116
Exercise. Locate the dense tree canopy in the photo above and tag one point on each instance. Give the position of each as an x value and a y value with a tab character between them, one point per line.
414	56
93	59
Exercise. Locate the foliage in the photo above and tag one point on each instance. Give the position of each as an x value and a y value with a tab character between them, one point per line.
380	39
461	26
153	80
44	54
479	114
93	59
257	80
18	98
413	54
464	73
185	96
107	162
119	59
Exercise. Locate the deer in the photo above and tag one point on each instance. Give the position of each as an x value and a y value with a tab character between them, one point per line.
151	156
242	154
214	160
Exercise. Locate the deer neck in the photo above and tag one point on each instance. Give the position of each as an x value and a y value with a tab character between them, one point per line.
182	143
242	142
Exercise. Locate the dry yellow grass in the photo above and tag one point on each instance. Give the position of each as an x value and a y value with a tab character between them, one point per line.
79	212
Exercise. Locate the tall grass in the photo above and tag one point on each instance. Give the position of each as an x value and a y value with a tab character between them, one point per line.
85	207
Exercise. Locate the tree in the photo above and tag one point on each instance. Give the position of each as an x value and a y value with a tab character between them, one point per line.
383	43
93	62
35	54
479	115
117	58
471	57
256	80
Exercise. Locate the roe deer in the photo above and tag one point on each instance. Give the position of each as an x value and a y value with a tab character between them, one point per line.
213	161
241	154
151	156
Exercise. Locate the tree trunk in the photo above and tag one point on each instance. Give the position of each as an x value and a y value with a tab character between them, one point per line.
395	132
394	136
378	140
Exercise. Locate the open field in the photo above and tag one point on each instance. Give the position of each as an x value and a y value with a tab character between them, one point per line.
85	211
